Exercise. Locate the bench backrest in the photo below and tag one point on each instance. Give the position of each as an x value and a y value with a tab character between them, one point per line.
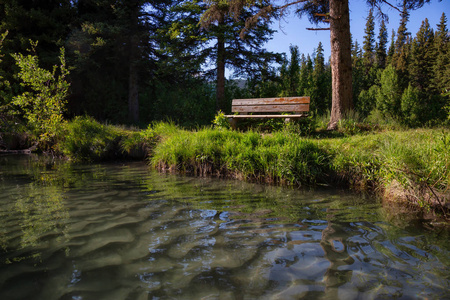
266	105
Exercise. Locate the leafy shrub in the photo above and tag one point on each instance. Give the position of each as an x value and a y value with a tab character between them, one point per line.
220	121
44	101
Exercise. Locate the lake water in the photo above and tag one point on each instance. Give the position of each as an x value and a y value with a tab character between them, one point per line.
123	231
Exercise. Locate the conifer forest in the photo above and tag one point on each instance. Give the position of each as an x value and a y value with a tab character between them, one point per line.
134	62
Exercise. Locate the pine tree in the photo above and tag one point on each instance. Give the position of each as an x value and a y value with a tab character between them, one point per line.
320	93
357	71
391	51
421	73
441	68
400	56
369	40
422	58
319	61
402	31
290	74
243	54
381	46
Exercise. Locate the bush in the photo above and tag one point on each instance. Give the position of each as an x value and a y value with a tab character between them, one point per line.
44	101
389	94
367	100
220	121
411	106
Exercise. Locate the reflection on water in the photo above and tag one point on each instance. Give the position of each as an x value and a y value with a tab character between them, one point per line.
120	231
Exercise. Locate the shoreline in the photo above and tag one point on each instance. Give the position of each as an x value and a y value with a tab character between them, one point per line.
394	195
410	167
358	163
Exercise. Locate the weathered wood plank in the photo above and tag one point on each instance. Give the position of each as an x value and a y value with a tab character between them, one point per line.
271	108
269	101
296	116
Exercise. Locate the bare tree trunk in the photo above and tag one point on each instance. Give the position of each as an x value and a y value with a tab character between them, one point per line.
341	61
220	92
133	94
133	79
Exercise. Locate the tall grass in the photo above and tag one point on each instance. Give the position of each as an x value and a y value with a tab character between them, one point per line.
414	162
85	139
407	164
411	165
279	157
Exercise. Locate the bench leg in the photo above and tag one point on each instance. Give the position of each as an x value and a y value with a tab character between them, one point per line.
233	123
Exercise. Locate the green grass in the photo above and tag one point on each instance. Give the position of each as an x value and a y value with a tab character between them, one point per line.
413	163
279	157
420	156
85	139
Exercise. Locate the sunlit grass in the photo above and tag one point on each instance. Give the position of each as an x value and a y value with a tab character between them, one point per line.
417	160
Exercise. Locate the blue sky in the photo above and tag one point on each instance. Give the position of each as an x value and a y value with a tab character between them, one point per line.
293	30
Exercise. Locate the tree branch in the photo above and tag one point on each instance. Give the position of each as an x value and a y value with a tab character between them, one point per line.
391	5
290	4
316	29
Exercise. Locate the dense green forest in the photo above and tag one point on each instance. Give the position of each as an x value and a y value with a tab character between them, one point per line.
134	62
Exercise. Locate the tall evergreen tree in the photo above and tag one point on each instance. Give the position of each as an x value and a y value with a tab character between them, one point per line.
111	43
320	94
421	70
391	51
319	60
243	54
441	68
423	75
422	58
400	56
381	46
358	70
369	41
306	75
290	74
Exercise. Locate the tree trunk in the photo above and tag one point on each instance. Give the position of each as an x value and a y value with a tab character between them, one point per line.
133	79
133	94
220	92
341	61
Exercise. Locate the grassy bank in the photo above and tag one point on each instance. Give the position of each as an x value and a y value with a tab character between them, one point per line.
410	166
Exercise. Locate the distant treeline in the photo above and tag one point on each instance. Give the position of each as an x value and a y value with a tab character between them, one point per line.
139	61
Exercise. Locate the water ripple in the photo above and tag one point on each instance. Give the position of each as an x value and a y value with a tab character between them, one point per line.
122	232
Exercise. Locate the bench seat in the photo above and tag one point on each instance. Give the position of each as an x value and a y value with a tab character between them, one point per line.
264	108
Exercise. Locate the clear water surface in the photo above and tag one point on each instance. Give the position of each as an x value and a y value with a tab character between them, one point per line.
122	231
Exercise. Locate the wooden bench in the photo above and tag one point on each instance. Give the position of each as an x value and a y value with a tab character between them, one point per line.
261	107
